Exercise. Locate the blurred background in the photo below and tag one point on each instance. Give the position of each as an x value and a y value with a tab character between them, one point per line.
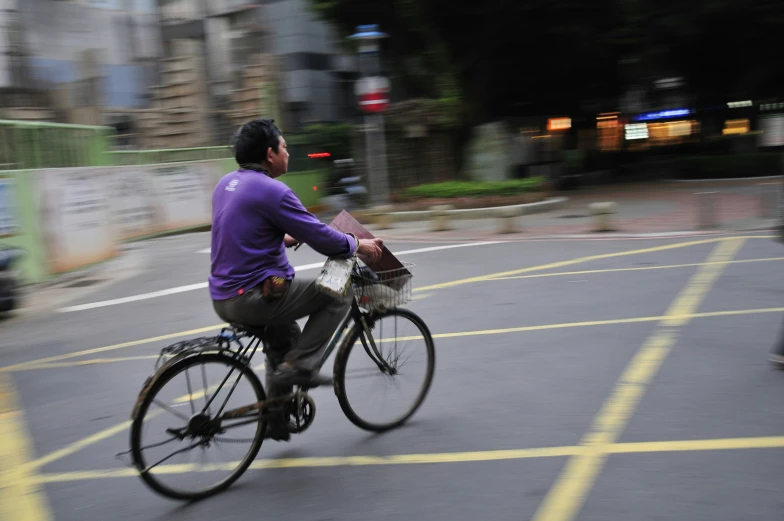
437	124
573	87
541	96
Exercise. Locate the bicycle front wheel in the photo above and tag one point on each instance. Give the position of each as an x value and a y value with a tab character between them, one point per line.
177	425
401	364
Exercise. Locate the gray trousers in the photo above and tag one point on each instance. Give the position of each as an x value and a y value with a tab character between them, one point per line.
302	349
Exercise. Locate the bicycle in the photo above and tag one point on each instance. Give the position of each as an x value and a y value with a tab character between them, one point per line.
376	296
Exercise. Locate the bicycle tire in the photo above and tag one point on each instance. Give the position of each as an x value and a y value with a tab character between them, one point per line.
168	374
339	372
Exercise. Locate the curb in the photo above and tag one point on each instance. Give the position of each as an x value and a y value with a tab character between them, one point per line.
586	237
45	297
727	180
476	213
86	272
435	236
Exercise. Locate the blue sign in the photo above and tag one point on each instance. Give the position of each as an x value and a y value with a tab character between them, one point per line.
662	114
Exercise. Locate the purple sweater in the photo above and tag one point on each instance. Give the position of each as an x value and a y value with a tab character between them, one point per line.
251	213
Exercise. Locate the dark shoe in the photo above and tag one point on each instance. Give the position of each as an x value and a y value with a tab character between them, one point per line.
277	431
286	375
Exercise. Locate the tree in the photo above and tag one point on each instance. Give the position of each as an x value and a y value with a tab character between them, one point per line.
499	58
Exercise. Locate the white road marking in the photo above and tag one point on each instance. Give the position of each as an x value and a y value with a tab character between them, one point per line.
204	285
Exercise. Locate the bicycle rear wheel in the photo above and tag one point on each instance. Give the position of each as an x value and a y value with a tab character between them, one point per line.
188	425
357	364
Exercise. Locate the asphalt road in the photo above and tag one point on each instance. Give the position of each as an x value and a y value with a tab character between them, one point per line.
592	379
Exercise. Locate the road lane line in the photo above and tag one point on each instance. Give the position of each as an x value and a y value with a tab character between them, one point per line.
642	268
108	432
85	363
645	447
566	497
113	347
427	249
647	360
72	448
558	264
43	363
204	285
21	495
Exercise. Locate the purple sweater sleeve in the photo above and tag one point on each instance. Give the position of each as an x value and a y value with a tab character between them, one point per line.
295	220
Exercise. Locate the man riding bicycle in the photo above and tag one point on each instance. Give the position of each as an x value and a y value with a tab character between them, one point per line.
255	218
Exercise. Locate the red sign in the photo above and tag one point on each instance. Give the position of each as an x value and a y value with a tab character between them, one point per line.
373	94
374	101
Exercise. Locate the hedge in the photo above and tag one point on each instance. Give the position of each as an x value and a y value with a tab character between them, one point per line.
475	188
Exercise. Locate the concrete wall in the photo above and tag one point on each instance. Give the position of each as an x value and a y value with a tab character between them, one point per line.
68	218
125	44
311	57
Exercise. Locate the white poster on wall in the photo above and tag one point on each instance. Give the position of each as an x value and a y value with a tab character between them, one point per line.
73	208
8	220
134	206
184	193
772	130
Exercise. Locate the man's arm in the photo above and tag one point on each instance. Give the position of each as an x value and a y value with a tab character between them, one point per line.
297	222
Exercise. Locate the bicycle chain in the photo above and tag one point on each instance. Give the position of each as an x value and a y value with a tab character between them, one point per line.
247	440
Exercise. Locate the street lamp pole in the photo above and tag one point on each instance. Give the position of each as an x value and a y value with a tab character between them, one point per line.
372	92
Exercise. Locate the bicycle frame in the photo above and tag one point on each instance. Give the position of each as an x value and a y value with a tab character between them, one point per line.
355	315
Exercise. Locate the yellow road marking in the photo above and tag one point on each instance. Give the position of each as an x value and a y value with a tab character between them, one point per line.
559	264
481	278
765	442
107	433
83	363
567	496
21	497
113	347
645	447
642	268
85	442
111	431
79	445
201	394
36	364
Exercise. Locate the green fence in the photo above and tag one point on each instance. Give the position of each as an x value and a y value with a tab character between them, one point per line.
174	155
29	194
30	145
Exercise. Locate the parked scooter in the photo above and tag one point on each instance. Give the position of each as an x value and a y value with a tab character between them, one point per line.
344	190
9	278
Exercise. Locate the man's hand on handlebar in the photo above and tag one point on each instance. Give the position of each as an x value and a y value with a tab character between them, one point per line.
369	250
290	241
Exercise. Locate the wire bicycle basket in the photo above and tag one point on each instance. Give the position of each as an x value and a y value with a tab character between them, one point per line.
382	290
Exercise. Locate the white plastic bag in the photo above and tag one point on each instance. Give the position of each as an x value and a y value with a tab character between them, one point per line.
335	276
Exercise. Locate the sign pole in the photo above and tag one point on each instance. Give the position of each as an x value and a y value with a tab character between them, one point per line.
372	93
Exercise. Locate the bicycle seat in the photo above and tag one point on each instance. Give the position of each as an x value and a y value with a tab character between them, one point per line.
257	331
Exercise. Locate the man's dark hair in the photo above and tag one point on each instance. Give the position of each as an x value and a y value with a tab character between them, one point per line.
252	140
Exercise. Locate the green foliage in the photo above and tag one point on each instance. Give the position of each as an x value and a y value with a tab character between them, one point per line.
451	189
334	138
417	56
495	59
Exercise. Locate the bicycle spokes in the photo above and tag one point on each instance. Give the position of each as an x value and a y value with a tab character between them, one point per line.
385	377
183	432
